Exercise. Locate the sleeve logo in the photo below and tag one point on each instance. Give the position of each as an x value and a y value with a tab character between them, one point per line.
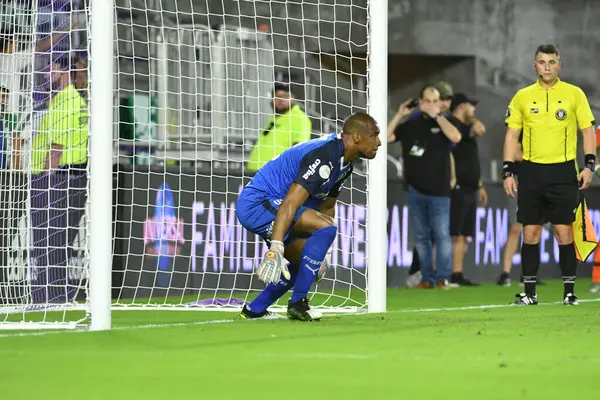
507	113
560	114
312	169
324	171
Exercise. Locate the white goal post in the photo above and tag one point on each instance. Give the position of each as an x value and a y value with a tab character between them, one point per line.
178	94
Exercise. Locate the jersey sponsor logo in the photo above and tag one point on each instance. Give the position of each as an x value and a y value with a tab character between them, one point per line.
507	113
325	171
560	114
534	111
417	151
312	169
435	130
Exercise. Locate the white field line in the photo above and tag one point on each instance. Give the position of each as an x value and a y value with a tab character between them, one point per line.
224	321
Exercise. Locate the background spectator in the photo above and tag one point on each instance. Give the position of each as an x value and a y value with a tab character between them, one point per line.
288	126
446	93
58	186
469	190
426	144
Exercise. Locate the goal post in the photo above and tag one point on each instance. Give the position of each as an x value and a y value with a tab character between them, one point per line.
377	245
101	163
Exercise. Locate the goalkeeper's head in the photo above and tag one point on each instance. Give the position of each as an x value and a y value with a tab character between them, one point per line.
361	137
282	98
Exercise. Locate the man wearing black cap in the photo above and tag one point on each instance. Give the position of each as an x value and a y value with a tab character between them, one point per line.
469	189
288	126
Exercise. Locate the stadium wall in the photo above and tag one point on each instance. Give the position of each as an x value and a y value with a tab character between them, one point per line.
212	234
210	240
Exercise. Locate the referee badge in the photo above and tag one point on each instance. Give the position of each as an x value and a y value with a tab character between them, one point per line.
560	114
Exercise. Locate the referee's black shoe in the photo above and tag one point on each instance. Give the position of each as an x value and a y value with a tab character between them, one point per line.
570	300
523	299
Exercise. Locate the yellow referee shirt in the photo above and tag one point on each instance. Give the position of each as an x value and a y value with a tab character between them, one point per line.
65	124
548	119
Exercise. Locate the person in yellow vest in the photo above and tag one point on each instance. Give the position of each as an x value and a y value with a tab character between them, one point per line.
62	137
288	126
58	188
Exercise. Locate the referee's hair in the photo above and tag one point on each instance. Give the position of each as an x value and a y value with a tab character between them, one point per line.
547	49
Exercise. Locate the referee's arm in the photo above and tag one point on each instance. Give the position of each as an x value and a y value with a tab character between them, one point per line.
585	120
511	144
514	124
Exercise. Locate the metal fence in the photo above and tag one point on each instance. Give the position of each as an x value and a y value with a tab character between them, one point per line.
214	87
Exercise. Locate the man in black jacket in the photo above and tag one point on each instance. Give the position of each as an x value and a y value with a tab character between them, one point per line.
469	188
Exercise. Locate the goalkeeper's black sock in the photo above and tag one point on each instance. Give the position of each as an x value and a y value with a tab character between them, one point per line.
416	263
530	260
568	266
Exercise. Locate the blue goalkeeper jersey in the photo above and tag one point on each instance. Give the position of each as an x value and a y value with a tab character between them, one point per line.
317	165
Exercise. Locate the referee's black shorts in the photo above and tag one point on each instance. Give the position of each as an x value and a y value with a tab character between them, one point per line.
463	209
547	193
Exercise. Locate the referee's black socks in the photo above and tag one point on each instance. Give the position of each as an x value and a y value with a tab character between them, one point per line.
568	266
530	260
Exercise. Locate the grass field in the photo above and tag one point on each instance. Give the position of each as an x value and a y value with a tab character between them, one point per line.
456	344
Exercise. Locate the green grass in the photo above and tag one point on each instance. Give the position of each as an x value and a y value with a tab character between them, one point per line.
544	352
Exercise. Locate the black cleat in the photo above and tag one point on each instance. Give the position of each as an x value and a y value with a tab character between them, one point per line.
301	311
570	300
504	280
525	300
458	279
247	314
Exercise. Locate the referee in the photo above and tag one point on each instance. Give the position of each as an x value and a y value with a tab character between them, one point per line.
548	113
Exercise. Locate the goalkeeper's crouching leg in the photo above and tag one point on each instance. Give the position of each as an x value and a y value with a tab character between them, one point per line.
313	253
270	294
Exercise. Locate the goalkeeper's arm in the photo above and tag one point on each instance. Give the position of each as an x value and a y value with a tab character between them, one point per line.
295	197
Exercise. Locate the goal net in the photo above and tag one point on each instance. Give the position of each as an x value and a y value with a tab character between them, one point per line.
43	163
193	96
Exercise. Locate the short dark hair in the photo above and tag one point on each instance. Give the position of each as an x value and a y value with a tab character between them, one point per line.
547	49
4	90
281	86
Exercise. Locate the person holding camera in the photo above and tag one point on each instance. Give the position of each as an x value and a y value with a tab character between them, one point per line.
426	146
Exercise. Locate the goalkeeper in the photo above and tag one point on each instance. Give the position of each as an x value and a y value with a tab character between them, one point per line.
290	203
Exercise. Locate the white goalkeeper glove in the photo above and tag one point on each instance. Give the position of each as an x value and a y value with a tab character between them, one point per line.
324	265
273	264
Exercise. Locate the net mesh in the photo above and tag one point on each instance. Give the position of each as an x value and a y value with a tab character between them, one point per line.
43	160
195	93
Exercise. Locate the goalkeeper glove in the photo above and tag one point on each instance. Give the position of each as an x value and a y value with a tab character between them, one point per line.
273	264
324	265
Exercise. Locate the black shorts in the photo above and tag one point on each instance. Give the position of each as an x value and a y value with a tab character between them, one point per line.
547	193
463	209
